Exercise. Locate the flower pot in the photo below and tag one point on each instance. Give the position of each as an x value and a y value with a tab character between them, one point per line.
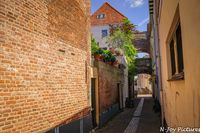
98	57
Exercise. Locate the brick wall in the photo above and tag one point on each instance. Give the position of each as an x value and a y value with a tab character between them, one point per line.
44	58
108	77
112	16
141	42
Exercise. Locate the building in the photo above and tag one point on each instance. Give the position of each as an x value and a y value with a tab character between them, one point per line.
101	20
141	42
44	66
176	37
143	84
154	53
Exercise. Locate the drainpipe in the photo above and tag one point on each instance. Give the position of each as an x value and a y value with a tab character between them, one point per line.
160	78
155	28
155	6
159	67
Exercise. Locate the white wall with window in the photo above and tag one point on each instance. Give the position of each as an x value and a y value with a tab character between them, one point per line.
100	33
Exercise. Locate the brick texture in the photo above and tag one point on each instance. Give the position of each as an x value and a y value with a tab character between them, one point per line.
109	77
141	42
44	63
112	16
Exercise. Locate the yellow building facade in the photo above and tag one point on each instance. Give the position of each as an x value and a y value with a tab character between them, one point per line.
178	28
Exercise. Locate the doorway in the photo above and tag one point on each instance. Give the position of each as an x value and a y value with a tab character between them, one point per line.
120	92
93	102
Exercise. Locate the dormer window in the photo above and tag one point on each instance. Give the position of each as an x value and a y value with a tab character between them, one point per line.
101	16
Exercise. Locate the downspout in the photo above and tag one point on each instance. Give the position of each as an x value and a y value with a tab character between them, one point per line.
159	67
160	78
154	6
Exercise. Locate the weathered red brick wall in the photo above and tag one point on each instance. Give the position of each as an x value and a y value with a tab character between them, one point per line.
44	63
108	77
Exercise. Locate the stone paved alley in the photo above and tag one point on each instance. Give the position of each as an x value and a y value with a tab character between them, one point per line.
149	121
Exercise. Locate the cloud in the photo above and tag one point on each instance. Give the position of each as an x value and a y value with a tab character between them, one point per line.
143	22
135	3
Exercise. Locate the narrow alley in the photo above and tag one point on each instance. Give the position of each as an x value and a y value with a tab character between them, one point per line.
140	119
99	66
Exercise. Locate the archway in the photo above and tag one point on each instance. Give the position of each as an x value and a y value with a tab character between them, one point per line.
143	65
143	85
142	79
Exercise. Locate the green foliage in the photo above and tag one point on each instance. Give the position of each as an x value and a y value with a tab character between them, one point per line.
117	39
122	37
108	56
127	27
130	52
99	51
94	46
131	70
123	41
112	58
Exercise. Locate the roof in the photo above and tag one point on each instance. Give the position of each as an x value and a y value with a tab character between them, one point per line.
112	15
115	9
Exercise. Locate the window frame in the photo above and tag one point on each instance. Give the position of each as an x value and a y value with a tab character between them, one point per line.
102	33
172	61
172	37
101	16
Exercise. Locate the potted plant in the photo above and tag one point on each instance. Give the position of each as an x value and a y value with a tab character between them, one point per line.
98	54
106	56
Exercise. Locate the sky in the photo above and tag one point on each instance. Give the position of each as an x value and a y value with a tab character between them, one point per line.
135	10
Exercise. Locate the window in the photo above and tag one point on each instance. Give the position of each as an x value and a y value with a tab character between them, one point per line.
104	33
172	55
175	50
176	54
100	16
179	49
